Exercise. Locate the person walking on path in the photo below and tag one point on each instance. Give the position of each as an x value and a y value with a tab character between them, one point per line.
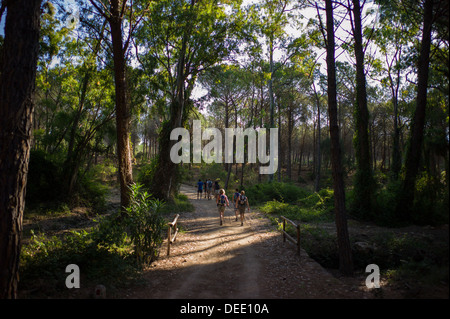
216	188
199	189
209	188
241	202
235	197
221	201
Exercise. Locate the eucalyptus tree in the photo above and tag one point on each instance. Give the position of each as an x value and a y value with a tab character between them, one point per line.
274	18
122	18
177	41
392	36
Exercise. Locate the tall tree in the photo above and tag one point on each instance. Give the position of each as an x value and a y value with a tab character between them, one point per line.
418	123
345	252
364	183
180	40
17	83
115	15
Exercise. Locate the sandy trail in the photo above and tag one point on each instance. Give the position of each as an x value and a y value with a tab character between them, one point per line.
233	261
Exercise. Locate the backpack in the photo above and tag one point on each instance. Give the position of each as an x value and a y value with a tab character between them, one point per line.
242	200
222	200
209	184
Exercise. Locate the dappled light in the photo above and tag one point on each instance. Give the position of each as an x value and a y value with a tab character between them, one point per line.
263	149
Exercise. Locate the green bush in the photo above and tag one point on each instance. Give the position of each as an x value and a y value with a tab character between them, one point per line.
282	192
144	224
180	203
147	172
114	250
322	200
92	192
295	212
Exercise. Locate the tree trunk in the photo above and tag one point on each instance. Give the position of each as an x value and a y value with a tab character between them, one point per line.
17	84
396	155
165	179
123	113
289	140
271	97
417	128
318	149
345	252
364	179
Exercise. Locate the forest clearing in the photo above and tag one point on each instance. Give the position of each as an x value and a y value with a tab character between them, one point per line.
116	116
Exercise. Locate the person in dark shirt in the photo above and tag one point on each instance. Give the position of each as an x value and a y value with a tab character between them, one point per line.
199	189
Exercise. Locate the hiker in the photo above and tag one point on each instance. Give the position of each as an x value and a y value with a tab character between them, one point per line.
199	188
209	188
216	188
241	202
221	201
235	196
205	187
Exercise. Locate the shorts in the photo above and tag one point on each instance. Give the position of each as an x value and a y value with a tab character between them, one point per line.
199	191
221	208
241	209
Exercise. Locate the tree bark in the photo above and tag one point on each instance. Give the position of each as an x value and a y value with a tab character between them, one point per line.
345	252
123	113
17	84
364	178
417	128
165	179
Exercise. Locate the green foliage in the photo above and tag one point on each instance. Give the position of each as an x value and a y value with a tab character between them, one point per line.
282	192
92	192
47	185
144	224
322	200
299	204
430	205
295	212
112	251
430	201
178	204
147	172
43	260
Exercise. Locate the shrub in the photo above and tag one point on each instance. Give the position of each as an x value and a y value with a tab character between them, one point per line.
144	224
115	249
92	192
282	192
147	172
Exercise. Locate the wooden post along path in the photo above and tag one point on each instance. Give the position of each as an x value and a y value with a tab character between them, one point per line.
171	239
289	237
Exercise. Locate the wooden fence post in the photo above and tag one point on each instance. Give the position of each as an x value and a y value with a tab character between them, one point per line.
170	239
287	236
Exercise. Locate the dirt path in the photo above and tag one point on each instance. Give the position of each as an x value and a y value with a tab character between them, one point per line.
233	261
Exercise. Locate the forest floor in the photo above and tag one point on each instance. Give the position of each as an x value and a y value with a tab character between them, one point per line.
252	262
243	262
233	261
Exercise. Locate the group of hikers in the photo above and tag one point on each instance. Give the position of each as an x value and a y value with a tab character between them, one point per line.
240	201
